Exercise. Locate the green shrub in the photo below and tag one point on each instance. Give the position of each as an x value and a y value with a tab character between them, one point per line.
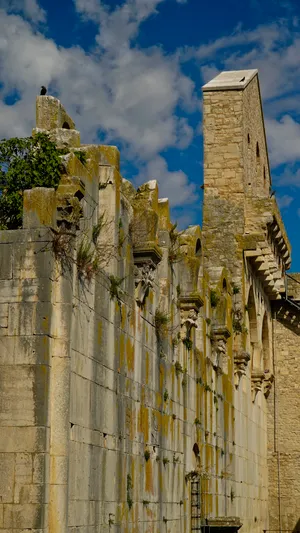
24	164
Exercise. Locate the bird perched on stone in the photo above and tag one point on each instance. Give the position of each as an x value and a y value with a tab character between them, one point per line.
43	90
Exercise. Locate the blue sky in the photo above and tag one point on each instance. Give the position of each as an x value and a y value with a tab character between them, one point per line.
130	73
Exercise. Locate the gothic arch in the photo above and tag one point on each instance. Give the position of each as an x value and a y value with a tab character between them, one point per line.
253	331
266	344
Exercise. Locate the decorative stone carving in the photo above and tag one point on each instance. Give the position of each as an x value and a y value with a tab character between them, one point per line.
219	355
257	379
144	279
241	360
268	380
219	349
188	318
146	259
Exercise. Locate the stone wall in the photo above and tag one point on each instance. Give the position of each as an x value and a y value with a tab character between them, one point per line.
25	362
136	358
284	428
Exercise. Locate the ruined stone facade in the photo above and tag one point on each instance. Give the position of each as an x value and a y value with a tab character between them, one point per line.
148	376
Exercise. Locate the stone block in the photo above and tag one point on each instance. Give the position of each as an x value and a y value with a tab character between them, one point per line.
50	114
40	468
23	439
6	262
39	208
23	516
7	477
21	318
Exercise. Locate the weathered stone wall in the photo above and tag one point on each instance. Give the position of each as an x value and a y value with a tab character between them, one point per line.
284	428
136	359
25	361
238	222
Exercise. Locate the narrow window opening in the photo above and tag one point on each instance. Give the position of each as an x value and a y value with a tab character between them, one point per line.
198	247
66	126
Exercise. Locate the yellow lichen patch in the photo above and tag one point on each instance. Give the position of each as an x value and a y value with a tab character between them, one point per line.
109	155
130	355
132	317
123	316
143	422
121	351
158	400
149	477
41	202
165	424
147	364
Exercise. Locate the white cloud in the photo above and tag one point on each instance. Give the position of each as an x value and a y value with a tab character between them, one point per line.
131	94
289	178
173	185
28	8
273	49
284	201
283	140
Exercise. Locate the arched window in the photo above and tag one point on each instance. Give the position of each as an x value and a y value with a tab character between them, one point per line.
253	335
196	450
198	248
266	345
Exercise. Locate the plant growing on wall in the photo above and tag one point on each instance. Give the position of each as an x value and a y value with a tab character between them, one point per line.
81	156
129	491
24	164
87	260
147	455
214	298
161	321
114	289
188	343
178	368
174	249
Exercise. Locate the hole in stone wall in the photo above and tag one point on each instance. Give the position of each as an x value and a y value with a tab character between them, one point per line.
66	126
257	151
248	138
196	449
198	247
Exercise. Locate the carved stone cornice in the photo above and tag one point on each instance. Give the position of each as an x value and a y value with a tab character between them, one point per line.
189	301
241	360
220	332
257	379
146	252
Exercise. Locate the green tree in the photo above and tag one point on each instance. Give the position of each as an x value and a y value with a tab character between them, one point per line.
25	163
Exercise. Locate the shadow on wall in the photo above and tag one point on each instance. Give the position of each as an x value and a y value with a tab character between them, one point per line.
297	527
